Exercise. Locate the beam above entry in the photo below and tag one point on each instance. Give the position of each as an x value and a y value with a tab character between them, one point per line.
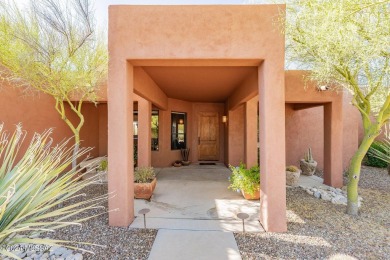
145	87
247	90
196	62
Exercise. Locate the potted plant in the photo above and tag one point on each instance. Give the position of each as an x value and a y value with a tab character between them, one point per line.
102	170
292	175
308	165
144	182
185	153
246	180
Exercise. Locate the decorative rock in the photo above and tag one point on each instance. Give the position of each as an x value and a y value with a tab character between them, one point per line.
310	192
325	196
27	258
21	254
78	256
31	252
53	249
70	257
67	253
336	196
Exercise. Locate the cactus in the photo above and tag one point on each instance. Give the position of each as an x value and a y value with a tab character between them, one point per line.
309	156
292	168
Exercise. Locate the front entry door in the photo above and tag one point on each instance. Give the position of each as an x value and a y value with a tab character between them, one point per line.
208	136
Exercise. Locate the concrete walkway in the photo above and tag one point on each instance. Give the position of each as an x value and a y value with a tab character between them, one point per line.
196	214
197	198
183	244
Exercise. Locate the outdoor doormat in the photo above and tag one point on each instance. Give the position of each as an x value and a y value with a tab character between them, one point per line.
207	163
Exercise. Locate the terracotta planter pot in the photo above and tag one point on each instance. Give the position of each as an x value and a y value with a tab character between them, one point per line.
247	196
144	190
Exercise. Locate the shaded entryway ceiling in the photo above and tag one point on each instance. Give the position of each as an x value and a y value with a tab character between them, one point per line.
199	84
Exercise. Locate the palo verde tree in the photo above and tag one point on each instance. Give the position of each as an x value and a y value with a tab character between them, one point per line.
346	45
51	46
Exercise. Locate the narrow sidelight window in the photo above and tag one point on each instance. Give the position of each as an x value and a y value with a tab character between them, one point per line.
155	130
178	130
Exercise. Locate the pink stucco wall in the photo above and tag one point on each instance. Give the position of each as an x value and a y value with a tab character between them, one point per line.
305	127
37	113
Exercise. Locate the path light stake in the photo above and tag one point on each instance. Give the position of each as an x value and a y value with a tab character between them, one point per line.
243	216
144	212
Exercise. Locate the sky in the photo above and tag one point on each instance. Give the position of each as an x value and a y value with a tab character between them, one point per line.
101	6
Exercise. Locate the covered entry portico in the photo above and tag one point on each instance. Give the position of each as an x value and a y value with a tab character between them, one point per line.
196	36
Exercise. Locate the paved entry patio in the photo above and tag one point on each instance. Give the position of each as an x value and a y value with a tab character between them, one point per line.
196	213
197	198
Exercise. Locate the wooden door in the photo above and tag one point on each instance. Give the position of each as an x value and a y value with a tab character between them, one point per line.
208	136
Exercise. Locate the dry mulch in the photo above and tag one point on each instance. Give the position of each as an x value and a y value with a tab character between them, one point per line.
318	229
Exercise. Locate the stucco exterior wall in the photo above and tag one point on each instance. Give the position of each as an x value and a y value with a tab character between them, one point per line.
37	113
305	126
304	129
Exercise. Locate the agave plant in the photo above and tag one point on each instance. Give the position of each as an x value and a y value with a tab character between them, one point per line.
38	191
381	151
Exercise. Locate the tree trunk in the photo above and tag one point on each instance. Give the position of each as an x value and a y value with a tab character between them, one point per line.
354	174
75	149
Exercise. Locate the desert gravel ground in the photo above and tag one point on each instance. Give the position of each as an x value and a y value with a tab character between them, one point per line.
119	243
318	229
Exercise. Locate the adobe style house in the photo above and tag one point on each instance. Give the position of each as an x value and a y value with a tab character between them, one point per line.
212	79
208	70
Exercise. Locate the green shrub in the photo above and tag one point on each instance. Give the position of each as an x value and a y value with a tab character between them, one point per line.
103	166
373	160
245	179
144	174
292	168
33	190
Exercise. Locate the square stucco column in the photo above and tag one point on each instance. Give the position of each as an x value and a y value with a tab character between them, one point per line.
144	133
333	144
272	146
120	142
251	155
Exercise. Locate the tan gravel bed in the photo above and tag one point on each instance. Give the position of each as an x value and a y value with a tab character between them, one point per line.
118	242
318	229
